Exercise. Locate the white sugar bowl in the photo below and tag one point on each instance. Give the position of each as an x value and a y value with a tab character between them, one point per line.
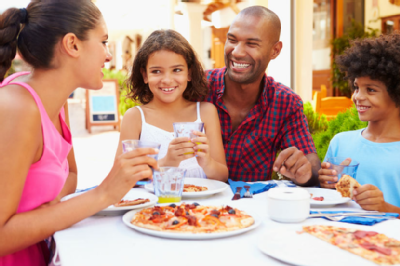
288	204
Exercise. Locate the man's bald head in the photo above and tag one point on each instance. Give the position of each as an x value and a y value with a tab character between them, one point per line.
274	23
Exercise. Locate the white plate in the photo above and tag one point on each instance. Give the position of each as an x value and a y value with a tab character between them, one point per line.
131	195
213	186
287	245
331	197
199	236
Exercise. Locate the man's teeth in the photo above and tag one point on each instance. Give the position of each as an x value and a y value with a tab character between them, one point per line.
240	65
168	89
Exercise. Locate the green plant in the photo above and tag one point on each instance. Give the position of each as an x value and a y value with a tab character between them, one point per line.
121	76
316	122
339	45
345	121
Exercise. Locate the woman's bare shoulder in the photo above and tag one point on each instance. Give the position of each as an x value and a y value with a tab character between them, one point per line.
16	102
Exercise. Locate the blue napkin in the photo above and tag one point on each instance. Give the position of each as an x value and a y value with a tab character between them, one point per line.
84	190
254	188
358	220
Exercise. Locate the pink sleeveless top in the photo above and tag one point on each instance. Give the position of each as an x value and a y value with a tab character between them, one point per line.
45	178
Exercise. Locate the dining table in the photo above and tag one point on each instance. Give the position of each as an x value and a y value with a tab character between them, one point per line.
106	240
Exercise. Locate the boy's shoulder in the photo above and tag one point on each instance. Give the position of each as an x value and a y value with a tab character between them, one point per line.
347	136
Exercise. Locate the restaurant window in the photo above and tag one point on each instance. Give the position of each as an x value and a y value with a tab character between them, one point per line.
321	34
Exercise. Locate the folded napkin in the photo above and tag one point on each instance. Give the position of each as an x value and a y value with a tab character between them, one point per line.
359	220
254	188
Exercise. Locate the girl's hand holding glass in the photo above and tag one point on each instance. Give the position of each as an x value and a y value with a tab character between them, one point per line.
179	149
201	148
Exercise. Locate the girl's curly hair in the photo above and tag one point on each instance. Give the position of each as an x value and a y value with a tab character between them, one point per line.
169	40
377	58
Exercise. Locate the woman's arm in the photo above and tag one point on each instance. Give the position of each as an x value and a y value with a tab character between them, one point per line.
20	146
72	180
130	128
211	157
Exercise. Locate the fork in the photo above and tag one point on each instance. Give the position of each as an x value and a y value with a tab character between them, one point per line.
339	218
247	194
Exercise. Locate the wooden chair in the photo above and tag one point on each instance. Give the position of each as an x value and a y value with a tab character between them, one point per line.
330	106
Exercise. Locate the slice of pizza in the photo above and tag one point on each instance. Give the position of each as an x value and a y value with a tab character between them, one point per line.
346	185
124	203
370	245
193	188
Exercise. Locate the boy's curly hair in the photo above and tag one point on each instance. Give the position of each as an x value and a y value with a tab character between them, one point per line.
377	58
168	40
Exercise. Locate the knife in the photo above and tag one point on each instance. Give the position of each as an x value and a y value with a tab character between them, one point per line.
237	194
316	215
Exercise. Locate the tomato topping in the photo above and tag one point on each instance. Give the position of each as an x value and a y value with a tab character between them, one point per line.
318	198
361	234
213	220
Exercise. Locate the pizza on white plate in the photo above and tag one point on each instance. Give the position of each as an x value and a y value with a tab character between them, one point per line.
192	218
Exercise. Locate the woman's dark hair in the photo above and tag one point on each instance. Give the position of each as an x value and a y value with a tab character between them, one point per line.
44	23
377	58
168	40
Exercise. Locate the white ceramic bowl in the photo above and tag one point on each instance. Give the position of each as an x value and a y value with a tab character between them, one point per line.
288	204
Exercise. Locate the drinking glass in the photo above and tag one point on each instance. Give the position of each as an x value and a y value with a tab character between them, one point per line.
185	129
131	144
168	184
339	165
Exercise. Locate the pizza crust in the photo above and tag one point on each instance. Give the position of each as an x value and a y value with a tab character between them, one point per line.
346	185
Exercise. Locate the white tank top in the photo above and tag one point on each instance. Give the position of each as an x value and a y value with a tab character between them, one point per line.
155	134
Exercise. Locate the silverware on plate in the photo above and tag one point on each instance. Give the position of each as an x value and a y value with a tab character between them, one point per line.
237	194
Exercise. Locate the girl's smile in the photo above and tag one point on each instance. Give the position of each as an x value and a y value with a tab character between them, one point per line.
167	75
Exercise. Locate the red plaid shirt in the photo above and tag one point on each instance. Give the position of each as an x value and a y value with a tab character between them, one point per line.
275	122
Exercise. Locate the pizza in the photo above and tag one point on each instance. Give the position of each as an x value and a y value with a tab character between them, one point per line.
193	188
124	203
192	218
370	245
346	185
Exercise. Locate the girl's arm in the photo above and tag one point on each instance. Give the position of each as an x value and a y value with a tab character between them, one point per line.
212	161
131	128
20	146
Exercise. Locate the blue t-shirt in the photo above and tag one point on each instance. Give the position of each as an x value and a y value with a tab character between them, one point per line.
379	162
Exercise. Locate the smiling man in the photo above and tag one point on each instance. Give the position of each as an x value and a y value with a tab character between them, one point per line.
258	115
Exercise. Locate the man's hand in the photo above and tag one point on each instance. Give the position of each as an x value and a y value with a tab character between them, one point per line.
292	163
370	198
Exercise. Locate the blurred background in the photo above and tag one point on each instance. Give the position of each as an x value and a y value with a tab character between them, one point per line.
313	32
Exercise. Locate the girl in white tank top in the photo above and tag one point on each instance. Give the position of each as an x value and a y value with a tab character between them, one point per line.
155	134
169	90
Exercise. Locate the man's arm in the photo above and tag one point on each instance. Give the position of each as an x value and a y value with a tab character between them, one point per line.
315	166
298	159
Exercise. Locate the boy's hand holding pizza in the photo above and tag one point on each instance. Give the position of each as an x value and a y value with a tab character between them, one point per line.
370	198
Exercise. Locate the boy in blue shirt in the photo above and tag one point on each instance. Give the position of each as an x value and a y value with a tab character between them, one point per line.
373	69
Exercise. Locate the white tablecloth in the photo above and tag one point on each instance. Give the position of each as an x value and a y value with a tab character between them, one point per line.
105	240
